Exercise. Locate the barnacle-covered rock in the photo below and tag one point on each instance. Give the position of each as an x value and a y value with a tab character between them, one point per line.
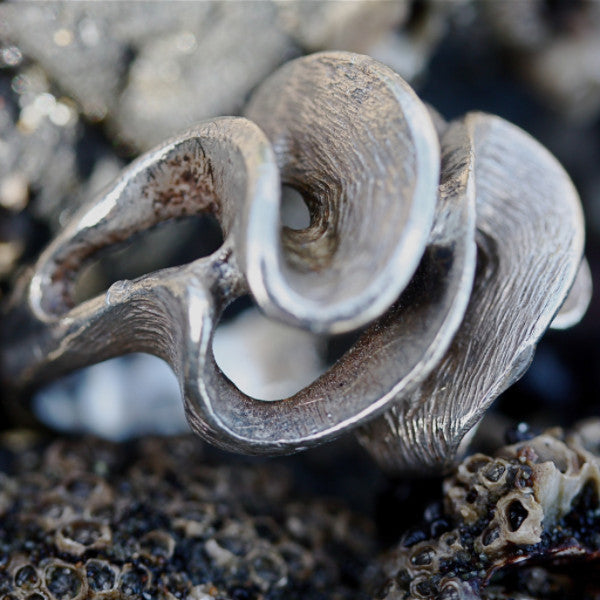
155	519
524	524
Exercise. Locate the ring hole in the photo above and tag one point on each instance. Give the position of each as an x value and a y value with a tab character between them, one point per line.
263	358
171	243
294	211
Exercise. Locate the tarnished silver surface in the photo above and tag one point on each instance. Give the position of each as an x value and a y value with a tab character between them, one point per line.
391	237
184	176
530	241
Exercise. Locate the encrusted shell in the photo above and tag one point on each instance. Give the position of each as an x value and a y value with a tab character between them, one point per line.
534	503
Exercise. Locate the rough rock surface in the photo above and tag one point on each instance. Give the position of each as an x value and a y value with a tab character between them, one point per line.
151	70
524	524
153	519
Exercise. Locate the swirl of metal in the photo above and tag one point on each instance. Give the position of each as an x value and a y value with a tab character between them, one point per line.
530	244
392	242
173	313
353	138
227	167
395	353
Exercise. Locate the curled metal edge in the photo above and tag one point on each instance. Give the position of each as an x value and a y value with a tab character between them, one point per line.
578	300
360	146
530	239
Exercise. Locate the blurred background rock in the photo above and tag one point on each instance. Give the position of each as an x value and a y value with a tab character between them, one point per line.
85	87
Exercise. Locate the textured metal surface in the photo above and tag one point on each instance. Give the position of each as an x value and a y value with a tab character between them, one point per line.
391	237
530	240
184	176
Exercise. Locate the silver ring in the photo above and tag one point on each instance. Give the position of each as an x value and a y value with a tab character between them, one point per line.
391	245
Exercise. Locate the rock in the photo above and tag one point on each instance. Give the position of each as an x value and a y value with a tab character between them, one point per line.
521	524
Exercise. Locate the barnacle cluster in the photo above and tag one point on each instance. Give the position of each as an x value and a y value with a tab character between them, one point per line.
523	524
154	520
